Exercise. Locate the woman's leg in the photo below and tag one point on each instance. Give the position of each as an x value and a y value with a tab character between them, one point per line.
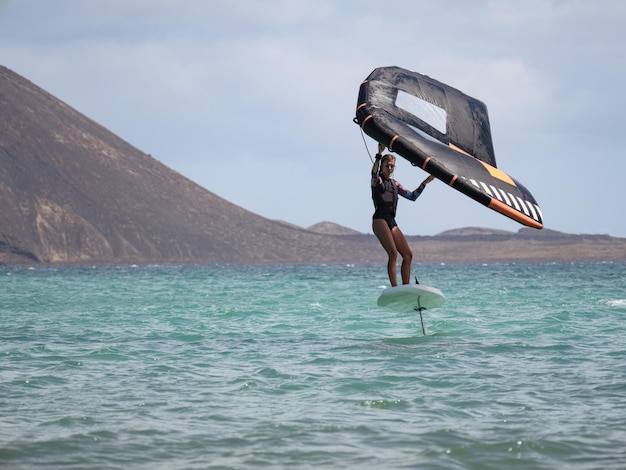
386	238
405	251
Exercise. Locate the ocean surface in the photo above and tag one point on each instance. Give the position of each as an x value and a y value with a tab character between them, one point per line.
159	367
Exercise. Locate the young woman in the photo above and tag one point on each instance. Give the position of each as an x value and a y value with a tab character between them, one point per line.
385	191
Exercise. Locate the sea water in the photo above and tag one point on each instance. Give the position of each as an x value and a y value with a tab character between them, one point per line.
169	367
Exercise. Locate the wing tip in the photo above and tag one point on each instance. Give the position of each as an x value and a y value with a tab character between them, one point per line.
515	215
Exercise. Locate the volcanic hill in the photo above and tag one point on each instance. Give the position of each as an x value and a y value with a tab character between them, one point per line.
73	192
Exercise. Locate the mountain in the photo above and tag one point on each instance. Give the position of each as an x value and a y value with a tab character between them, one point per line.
481	245
331	228
72	192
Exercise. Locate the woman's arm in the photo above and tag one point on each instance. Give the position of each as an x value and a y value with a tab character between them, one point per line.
413	195
376	165
375	168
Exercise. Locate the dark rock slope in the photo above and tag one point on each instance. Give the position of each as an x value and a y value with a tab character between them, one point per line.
73	192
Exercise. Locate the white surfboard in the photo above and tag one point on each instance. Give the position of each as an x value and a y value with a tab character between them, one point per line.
409	298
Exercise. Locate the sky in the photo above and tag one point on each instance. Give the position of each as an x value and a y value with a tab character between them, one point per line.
254	99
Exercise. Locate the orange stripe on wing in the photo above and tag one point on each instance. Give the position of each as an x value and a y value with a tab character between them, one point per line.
496	173
493	171
459	149
393	141
513	214
425	163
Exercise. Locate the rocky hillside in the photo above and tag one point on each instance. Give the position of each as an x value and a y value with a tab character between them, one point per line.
73	192
331	228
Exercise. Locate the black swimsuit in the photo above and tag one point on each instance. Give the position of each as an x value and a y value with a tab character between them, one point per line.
385	197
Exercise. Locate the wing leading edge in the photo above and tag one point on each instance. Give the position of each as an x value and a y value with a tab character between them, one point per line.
444	132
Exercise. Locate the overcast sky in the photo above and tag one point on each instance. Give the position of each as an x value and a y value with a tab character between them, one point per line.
254	99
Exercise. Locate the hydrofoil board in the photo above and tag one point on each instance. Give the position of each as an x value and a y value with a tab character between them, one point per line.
409	298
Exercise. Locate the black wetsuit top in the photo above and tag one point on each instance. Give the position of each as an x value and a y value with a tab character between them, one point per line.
385	196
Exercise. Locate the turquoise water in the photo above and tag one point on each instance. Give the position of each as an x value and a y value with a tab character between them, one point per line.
296	367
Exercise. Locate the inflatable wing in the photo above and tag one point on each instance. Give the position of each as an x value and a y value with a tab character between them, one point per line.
444	132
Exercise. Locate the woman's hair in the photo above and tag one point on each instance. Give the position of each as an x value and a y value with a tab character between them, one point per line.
386	157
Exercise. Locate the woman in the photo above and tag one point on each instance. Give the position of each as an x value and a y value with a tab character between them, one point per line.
385	191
